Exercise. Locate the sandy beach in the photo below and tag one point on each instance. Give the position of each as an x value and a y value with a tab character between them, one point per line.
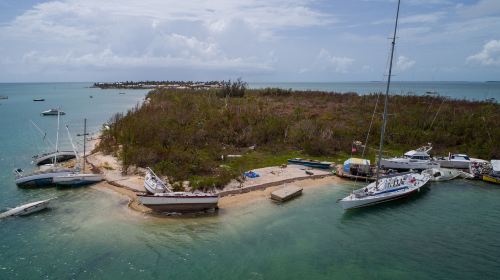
234	195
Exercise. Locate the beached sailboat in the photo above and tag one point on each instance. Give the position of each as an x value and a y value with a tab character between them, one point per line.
418	159
390	187
162	199
26	209
51	157
41	178
76	178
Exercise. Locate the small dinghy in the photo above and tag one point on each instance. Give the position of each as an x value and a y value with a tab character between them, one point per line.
26	209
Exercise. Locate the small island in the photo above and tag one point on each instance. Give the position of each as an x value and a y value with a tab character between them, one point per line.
158	84
206	140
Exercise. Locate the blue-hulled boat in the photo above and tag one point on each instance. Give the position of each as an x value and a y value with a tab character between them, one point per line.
311	163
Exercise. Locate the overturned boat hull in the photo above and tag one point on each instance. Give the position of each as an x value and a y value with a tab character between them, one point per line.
26	209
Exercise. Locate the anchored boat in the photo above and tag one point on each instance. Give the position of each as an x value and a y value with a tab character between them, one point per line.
52	112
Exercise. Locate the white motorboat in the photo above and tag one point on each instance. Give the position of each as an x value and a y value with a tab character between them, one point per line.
50	158
26	209
389	188
153	184
77	179
459	161
418	159
161	198
52	112
445	174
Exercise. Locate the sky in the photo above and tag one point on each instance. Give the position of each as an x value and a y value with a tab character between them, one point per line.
257	40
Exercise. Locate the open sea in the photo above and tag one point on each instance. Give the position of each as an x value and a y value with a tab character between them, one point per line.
450	230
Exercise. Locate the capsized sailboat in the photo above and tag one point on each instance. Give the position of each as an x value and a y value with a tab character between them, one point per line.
41	178
390	187
51	157
26	209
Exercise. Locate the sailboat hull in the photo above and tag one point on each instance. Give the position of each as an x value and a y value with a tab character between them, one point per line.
48	158
77	179
38	180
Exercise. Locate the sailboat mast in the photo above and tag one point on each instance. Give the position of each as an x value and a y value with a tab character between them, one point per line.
84	140
382	132
57	135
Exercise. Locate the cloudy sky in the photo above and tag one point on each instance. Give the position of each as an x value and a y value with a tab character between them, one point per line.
258	40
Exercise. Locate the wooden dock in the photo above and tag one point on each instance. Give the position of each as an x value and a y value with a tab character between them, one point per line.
285	193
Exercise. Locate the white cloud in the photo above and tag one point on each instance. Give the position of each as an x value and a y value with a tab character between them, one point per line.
490	55
219	34
481	8
418	18
339	63
404	63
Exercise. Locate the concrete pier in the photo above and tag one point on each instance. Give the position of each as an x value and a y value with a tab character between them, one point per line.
286	193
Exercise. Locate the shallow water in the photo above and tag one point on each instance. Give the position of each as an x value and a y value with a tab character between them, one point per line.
448	231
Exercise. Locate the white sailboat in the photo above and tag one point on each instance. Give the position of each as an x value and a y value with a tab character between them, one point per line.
391	187
51	157
77	178
41	178
162	199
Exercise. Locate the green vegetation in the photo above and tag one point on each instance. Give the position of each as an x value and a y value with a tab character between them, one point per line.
185	133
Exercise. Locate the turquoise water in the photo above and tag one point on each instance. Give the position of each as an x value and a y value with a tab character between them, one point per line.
456	90
448	231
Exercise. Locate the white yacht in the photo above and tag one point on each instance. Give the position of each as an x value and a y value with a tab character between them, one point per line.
459	161
418	159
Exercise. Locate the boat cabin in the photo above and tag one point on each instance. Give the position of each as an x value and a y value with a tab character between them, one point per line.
415	154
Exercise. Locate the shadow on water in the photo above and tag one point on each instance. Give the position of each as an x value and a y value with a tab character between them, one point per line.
397	204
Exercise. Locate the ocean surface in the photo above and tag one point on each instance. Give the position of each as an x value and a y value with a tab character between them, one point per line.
455	90
448	231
